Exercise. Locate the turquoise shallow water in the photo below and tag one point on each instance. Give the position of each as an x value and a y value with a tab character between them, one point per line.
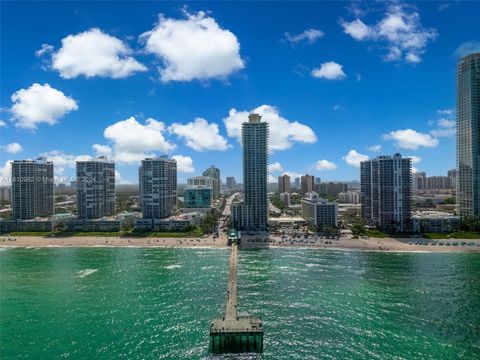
146	303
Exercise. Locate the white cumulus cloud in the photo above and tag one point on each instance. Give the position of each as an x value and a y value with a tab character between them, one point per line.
446	112
40	104
399	31
467	48
12	148
415	159
375	148
275	167
102	150
308	36
325	165
5	173
195	47
330	71
446	128
2	123
46	48
283	132
133	141
354	158
356	29
411	139
199	135
94	53
62	160
184	163
119	179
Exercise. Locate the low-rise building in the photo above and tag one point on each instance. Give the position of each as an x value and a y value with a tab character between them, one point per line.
34	225
434	221
286	222
105	224
172	223
7	226
319	212
127	219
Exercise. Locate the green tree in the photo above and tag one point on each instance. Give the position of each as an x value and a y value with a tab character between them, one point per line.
470	223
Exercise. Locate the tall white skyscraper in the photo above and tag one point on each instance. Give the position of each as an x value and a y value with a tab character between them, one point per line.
386	187
158	187
95	188
468	135
32	188
252	214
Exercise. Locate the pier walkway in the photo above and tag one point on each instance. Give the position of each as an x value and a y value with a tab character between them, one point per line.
233	333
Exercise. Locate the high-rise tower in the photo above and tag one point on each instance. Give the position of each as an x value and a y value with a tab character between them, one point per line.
158	187
284	184
95	188
468	135
32	188
252	214
386	187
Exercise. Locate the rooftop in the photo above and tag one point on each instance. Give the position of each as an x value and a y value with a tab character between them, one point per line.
432	215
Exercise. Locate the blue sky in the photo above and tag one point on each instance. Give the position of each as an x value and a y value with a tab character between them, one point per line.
337	81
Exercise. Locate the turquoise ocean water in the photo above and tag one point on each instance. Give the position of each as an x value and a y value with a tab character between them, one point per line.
147	303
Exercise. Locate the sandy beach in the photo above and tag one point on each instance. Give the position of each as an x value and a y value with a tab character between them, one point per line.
381	245
344	243
114	241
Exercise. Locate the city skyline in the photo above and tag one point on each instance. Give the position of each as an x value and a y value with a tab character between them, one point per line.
239	179
323	127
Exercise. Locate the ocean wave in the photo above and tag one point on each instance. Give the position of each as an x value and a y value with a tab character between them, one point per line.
82	273
174	266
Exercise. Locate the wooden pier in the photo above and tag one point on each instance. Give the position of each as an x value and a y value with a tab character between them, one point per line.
233	333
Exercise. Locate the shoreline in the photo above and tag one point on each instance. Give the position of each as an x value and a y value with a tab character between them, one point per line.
343	244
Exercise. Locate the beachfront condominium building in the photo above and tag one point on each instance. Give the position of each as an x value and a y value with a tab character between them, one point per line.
319	212
284	184
386	192
158	187
307	184
231	183
32	189
468	135
214	173
252	213
95	188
